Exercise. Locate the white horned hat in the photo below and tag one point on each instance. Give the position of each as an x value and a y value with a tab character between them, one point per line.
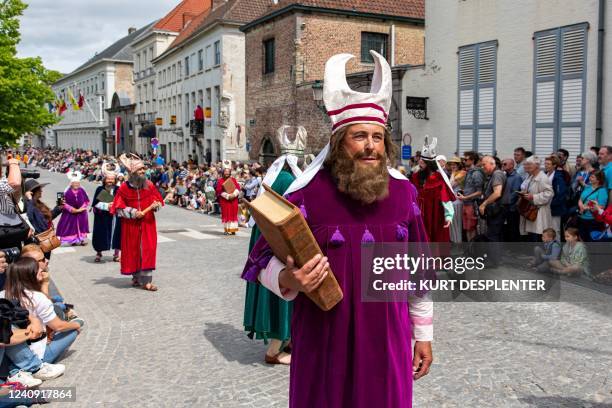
429	152
345	106
287	146
74	176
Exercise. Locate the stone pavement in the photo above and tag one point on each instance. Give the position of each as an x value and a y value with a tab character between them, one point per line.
183	346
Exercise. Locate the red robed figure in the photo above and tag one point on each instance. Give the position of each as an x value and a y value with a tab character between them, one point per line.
431	196
138	236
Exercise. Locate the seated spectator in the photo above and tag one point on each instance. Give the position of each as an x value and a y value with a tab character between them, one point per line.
595	192
550	251
24	285
574	258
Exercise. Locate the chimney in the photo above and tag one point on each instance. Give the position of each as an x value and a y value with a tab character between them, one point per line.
131	30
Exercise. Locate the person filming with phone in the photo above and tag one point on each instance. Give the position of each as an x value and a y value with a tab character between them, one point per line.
40	215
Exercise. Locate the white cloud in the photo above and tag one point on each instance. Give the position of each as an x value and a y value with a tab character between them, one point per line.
67	33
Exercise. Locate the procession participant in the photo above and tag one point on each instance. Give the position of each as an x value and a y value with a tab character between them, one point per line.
228	201
358	354
106	227
73	225
266	316
135	203
435	194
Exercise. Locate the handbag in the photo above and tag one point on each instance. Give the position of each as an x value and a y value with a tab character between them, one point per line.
527	209
48	241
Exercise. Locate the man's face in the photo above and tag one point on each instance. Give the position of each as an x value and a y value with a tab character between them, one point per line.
508	166
110	181
141	172
562	157
365	143
422	164
578	162
518	156
604	157
468	161
488	165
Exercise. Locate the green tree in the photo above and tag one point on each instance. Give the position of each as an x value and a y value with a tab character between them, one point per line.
25	84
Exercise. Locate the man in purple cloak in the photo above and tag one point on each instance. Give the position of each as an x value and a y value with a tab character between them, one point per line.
358	354
73	225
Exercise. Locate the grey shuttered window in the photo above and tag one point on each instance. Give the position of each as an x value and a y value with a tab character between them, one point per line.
477	96
559	89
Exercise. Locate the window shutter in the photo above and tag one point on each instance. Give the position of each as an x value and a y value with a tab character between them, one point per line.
546	63
467	82
573	61
477	80
559	90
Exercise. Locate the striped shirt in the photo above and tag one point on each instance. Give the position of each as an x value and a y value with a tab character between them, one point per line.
7	206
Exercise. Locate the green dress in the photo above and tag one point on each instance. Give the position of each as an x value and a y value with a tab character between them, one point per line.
266	316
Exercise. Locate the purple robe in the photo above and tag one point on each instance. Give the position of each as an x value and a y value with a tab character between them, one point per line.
357	354
73	228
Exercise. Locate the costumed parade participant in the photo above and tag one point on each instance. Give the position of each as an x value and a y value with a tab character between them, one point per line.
358	354
435	193
266	316
135	203
228	199
106	226
73	225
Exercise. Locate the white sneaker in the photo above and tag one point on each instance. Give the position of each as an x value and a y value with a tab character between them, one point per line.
25	378
49	371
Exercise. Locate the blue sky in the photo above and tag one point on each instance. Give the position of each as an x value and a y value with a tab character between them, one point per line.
66	33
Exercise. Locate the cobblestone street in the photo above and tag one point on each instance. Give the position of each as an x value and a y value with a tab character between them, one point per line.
184	345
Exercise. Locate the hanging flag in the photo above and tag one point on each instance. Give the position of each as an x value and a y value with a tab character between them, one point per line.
81	100
62	107
118	129
73	101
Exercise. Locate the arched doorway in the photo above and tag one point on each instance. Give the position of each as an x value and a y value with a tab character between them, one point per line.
267	155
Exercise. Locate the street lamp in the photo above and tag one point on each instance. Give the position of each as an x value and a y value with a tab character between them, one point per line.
317	95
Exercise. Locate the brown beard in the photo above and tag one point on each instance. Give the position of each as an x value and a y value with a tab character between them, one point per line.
364	183
138	182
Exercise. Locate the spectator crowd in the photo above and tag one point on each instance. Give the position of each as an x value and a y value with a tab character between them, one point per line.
555	205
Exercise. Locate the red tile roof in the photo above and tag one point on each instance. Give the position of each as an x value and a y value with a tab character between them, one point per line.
239	11
183	12
401	8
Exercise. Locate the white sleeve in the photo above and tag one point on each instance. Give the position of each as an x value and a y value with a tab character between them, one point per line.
421	316
449	210
103	206
269	279
43	308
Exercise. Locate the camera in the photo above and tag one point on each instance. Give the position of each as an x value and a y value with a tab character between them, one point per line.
33	174
11	254
60	198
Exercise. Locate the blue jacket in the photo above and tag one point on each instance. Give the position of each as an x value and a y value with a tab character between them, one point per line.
37	219
513	184
558	205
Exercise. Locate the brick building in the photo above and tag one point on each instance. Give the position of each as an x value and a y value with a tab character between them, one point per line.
286	51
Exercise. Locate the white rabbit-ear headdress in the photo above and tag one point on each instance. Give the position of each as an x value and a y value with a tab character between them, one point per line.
74	176
227	164
107	172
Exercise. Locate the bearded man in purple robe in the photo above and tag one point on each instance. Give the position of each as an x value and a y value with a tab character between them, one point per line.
358	354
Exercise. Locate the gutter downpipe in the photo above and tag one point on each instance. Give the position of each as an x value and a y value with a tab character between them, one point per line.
392	45
600	63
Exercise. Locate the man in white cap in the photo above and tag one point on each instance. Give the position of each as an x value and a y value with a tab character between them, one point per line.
358	354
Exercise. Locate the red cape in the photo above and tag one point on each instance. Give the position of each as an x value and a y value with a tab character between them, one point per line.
431	196
229	208
138	237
